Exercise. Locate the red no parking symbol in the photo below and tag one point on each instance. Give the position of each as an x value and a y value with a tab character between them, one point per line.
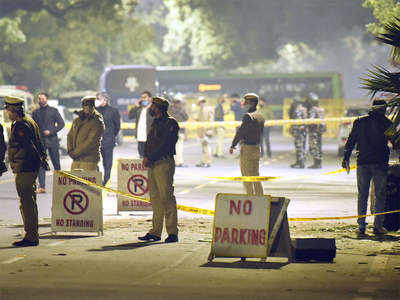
138	185
76	202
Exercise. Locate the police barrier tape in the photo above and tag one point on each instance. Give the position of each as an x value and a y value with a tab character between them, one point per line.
208	211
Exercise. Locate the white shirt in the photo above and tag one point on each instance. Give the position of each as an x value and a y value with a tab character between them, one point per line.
142	130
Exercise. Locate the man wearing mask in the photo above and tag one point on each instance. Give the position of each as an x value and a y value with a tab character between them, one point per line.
159	158
141	115
49	122
249	135
84	137
368	135
112	122
178	112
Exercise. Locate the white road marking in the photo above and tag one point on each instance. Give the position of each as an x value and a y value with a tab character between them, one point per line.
13	260
55	244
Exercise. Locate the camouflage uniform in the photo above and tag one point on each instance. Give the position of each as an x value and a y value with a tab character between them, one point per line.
299	134
315	132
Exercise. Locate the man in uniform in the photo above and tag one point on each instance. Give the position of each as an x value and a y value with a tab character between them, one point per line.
368	134
50	122
315	132
249	135
26	154
267	114
84	137
178	112
205	115
219	117
159	158
298	111
112	122
141	115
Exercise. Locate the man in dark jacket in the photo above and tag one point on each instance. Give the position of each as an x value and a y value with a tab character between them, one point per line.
236	107
49	122
368	135
141	115
112	121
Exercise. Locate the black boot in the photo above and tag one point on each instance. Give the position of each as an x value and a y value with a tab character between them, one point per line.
316	165
297	165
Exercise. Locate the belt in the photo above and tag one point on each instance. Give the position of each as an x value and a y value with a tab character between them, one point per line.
251	144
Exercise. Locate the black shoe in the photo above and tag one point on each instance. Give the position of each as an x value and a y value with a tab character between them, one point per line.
181	166
361	233
200	165
297	165
149	238
380	231
25	243
172	238
316	164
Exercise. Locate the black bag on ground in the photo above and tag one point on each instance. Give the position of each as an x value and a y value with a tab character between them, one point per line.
318	249
392	221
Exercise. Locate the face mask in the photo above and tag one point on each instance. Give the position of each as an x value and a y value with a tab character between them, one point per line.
152	113
97	103
144	103
246	107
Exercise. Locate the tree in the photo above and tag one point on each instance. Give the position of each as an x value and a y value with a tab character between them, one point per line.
384	12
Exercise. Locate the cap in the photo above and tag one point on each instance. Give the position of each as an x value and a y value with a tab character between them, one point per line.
14	101
201	99
88	99
178	97
251	97
161	103
378	103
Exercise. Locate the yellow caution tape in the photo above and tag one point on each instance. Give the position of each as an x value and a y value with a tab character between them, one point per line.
98	186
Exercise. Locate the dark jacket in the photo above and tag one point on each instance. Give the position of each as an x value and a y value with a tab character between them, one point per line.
134	114
237	109
25	149
219	112
179	114
368	136
112	121
251	129
161	139
3	146
48	118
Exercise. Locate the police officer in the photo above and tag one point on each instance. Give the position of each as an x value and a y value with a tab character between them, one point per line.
315	131
249	135
219	115
84	137
205	115
26	154
112	122
50	122
178	112
298	111
159	158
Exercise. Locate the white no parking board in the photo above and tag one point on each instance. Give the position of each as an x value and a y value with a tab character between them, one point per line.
132	179
76	207
241	225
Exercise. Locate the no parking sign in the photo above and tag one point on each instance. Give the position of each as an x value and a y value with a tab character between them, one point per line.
132	179
76	207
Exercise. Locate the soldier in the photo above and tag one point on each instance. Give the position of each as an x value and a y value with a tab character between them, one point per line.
112	122
178	112
315	131
205	115
298	111
159	158
249	134
84	137
219	117
50	122
26	154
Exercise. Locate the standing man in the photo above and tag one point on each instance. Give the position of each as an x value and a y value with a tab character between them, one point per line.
141	115
368	135
84	137
49	122
236	107
219	117
298	111
267	114
249	135
178	112
159	158
112	122
3	149
205	115
315	132
26	154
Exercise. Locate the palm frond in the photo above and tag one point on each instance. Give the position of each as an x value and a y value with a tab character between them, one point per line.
392	37
381	80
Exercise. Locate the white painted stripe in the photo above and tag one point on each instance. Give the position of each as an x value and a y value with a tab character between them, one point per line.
14	259
55	244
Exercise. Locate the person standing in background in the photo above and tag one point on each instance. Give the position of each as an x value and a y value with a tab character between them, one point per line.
236	107
298	111
205	115
315	132
267	114
219	117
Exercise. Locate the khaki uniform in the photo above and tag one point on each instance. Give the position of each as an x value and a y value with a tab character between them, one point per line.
205	115
160	151
25	152
84	140
249	135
